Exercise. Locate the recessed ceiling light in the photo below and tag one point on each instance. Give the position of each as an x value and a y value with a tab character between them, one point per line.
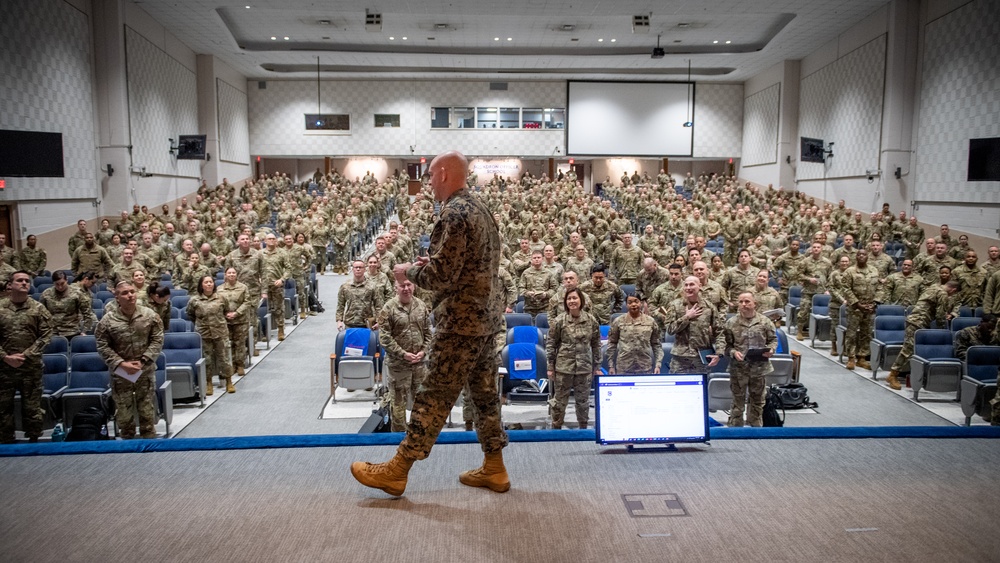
274	38
613	40
510	39
286	38
728	42
392	38
496	39
715	41
248	7
600	40
404	39
574	39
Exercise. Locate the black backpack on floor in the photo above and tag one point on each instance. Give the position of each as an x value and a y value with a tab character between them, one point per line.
773	404
87	425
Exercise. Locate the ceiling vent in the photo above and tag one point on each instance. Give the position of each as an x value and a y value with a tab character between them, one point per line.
640	24
567	27
373	21
498	86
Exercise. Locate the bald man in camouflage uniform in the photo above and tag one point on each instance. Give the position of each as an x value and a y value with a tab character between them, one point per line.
25	331
130	337
461	268
405	334
276	271
696	325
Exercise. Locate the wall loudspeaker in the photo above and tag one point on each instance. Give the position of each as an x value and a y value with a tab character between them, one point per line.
262	85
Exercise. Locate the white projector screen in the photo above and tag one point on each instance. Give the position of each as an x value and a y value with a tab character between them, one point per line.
629	119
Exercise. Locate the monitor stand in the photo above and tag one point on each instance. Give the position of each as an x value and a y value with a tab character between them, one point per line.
632	448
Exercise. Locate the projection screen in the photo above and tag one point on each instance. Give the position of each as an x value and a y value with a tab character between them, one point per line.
629	119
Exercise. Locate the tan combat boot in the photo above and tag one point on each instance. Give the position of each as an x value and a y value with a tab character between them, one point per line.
492	475
208	386
281	332
241	370
256	352
389	476
892	380
230	388
863	364
851	364
833	348
799	335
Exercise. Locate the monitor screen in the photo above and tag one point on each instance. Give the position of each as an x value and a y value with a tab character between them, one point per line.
984	160
650	409
191	147
31	154
812	150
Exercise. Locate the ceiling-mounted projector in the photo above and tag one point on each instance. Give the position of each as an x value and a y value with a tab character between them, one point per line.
658	53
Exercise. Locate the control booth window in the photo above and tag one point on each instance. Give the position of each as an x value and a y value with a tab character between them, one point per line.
386	120
328	122
463	118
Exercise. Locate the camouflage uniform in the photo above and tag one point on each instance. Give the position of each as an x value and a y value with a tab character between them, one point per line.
239	300
971	336
859	286
811	268
32	260
899	289
573	351
208	313
121	338
646	283
464	258
340	235
934	305
973	280
634	345
581	267
72	311
703	332
556	306
626	263
275	268
94	259
767	299
736	281
747	378
300	258
991	297
382	288
25	328
791	272
606	300
402	329
537	286
356	304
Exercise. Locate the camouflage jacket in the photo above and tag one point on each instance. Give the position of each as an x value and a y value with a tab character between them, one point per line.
692	335
238	299
634	345
72	311
537	286
741	334
574	344
899	289
209	316
403	328
356	304
605	300
125	339
25	328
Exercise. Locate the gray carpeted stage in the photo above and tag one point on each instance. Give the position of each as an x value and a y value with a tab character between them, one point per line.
781	500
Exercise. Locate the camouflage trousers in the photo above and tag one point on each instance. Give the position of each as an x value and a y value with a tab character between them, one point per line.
860	328
684	364
320	259
453	361
805	309
140	396
468	409
403	382
238	344
276	304
562	384
340	258
302	291
995	409
746	389
218	357
902	363
28	380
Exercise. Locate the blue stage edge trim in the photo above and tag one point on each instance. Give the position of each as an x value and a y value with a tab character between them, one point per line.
392	439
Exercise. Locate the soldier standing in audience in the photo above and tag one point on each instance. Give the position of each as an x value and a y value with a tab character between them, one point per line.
537	285
382	287
71	308
207	311
766	297
933	305
626	263
605	296
357	304
790	265
902	287
91	258
697	328
78	238
463	258
31	258
25	331
815	270
652	276
272	278
405	334
835	285
240	305
739	278
573	352
745	331
858	288
973	280
300	259
634	341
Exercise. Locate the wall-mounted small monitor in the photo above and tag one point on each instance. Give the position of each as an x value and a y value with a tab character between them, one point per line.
191	147
812	150
648	409
328	122
31	154
984	160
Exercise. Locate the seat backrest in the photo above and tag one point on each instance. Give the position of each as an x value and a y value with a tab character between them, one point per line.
182	348
518	319
628	289
104	295
527	334
964	311
821	304
178	325
96	303
890	328
356	342
795	294
542	321
88	371
58	345
178	292
782	342
982	362
959	323
887	310
175	313
933	344
665	363
55	372
180	301
524	361
606	330
41	280
82	344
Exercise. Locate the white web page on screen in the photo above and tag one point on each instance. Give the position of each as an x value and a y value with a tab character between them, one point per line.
651	407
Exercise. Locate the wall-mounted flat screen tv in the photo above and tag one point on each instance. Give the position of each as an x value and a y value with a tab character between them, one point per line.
31	154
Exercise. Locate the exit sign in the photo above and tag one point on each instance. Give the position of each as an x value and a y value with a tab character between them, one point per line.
3	184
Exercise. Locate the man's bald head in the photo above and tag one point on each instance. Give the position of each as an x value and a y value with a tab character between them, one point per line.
448	174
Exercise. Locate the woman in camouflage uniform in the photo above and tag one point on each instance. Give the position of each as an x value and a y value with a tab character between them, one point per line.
207	311
158	299
340	234
573	350
238	311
